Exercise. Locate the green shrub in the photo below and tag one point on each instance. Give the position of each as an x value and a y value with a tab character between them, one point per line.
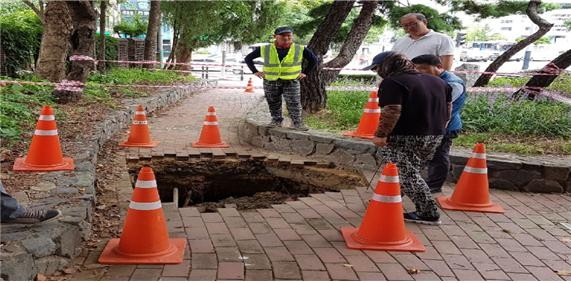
139	76
354	80
132	27
562	83
21	33
501	115
20	109
111	48
344	109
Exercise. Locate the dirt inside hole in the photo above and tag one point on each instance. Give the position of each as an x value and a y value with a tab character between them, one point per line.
209	184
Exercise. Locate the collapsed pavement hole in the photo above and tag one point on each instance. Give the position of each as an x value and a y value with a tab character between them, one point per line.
209	184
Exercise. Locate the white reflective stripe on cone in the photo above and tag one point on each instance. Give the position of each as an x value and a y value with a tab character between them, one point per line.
211	114
145	205
389	199
367	110
390	179
47	118
146	184
479	155
210	123
373	100
476	170
45	132
135	122
140	113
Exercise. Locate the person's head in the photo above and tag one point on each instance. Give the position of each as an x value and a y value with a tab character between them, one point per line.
389	63
428	64
283	37
415	24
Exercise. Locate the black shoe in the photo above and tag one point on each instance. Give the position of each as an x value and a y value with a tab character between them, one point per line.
35	216
300	127
435	190
274	124
415	218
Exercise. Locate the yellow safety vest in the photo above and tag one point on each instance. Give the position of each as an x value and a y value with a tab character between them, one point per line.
288	69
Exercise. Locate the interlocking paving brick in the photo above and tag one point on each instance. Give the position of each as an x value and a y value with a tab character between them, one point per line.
197	234
202	275
228	212
315	241
167	278
201	246
204	261
177	270
439	267
543	273
425	276
226	254
370	276
394	271
287	234
250	246
269	240
235	222
342	248
242	234
380	256
269	213
146	274
277	223
521	277
543	253
217	228
476	256
446	248
211	217
293	218
340	271
309	262
298	247
231	271
257	261
467	275
222	240
509	265
361	263
458	262
309	275
329	255
494	250
259	275
278	254
260	228
430	253
286	270
464	242
253	217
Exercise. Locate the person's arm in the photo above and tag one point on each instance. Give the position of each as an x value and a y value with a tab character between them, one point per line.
447	61
390	101
391	115
446	52
311	60
457	90
250	59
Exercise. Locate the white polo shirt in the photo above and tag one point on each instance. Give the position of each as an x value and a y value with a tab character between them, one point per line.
434	43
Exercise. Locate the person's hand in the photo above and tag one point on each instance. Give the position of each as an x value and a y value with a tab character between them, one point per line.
260	75
301	76
380	142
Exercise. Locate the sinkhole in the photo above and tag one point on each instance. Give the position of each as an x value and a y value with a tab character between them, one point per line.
242	181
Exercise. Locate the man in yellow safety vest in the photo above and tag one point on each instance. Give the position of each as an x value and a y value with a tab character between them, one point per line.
282	72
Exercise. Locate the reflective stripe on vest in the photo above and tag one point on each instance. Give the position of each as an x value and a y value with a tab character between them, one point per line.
288	69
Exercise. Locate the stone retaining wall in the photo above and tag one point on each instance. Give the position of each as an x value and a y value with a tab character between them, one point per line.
505	171
46	248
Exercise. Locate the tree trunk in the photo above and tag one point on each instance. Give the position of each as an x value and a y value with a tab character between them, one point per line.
538	82
183	56
171	58
152	30
55	41
82	41
354	39
544	27
313	96
102	21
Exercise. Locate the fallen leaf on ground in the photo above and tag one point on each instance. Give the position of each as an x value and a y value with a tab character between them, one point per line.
564	272
347	265
506	231
412	271
41	277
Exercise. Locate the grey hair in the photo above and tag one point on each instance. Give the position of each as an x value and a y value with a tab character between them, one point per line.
419	16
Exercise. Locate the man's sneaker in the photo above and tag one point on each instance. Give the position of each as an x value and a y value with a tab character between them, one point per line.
435	190
300	127
415	218
274	124
35	216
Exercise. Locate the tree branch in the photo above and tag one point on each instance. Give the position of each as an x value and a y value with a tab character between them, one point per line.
36	10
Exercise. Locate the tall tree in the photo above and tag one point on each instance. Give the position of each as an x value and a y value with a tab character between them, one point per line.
353	40
55	41
546	76
152	30
39	9
102	23
313	96
544	27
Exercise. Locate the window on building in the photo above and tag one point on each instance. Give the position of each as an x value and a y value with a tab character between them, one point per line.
506	28
167	45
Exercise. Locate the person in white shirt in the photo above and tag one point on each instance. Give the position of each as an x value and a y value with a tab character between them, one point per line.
421	40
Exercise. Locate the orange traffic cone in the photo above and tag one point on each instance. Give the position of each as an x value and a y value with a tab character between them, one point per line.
383	226
45	151
250	86
145	236
139	135
210	134
472	192
369	120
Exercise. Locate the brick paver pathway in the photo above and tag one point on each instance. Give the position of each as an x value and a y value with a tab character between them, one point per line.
300	240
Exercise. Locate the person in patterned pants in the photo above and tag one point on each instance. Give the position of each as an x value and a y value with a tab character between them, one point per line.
415	108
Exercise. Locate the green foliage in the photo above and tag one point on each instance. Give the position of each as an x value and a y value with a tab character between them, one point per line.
19	109
344	109
542	40
21	33
354	80
495	9
132	27
518	118
568	24
111	47
436	21
562	83
482	33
